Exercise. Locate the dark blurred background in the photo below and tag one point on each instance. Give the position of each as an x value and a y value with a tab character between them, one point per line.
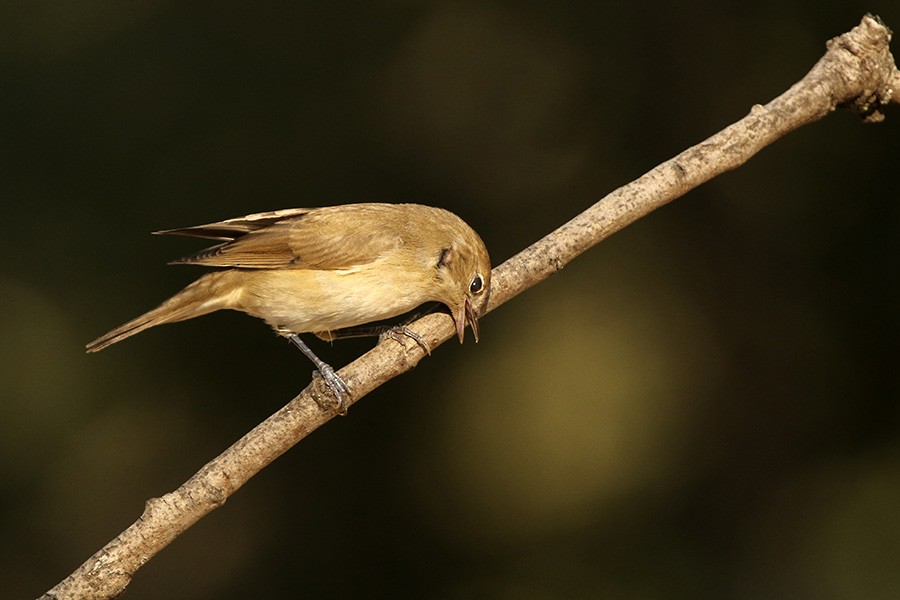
705	405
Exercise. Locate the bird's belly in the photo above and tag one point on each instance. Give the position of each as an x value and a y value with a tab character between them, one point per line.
297	301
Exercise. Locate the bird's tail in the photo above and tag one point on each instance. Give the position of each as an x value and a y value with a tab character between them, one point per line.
211	292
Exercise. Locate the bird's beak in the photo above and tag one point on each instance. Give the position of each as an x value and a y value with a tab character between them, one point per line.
466	315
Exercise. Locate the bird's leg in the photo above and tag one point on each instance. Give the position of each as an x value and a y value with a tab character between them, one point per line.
383	331
393	332
337	385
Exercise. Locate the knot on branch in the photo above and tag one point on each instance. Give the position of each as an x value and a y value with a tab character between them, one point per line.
862	59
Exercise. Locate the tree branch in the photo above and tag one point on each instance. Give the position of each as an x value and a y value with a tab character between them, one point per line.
857	72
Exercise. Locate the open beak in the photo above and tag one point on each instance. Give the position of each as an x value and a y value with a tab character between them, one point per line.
466	316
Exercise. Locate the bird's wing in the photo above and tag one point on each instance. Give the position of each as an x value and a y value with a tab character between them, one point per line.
339	237
231	229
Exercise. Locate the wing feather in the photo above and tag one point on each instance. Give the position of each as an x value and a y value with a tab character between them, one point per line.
231	229
338	237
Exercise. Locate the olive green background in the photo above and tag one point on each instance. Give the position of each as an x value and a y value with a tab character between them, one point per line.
705	405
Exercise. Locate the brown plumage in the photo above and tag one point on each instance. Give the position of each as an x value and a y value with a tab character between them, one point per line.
324	269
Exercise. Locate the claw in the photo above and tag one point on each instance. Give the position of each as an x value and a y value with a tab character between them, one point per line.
396	333
337	386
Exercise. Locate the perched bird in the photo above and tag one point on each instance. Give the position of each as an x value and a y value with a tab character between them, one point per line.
323	270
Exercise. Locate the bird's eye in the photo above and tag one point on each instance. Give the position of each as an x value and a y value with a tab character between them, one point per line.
477	285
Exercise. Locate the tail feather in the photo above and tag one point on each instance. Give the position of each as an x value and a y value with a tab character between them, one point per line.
199	298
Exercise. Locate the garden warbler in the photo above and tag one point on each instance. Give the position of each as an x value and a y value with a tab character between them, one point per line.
322	270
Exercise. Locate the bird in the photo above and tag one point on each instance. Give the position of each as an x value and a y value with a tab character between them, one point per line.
330	269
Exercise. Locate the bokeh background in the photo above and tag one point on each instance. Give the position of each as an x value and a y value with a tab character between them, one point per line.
705	405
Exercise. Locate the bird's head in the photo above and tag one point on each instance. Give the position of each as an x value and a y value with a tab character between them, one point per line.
463	270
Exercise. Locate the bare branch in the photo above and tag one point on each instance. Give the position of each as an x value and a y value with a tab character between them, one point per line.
856	72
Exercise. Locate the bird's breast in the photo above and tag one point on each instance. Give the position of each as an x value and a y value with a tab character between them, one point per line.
299	300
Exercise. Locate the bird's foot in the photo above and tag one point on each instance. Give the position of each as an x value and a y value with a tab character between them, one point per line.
400	331
337	386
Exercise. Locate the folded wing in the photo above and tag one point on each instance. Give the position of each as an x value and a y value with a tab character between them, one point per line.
338	237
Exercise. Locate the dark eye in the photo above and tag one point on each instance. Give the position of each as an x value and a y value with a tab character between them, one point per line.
477	285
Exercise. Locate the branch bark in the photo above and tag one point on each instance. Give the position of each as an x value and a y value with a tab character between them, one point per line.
857	72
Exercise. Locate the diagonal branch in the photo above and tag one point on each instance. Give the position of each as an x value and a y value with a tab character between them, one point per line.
856	72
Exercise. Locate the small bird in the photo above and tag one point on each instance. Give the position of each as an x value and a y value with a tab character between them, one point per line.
323	270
